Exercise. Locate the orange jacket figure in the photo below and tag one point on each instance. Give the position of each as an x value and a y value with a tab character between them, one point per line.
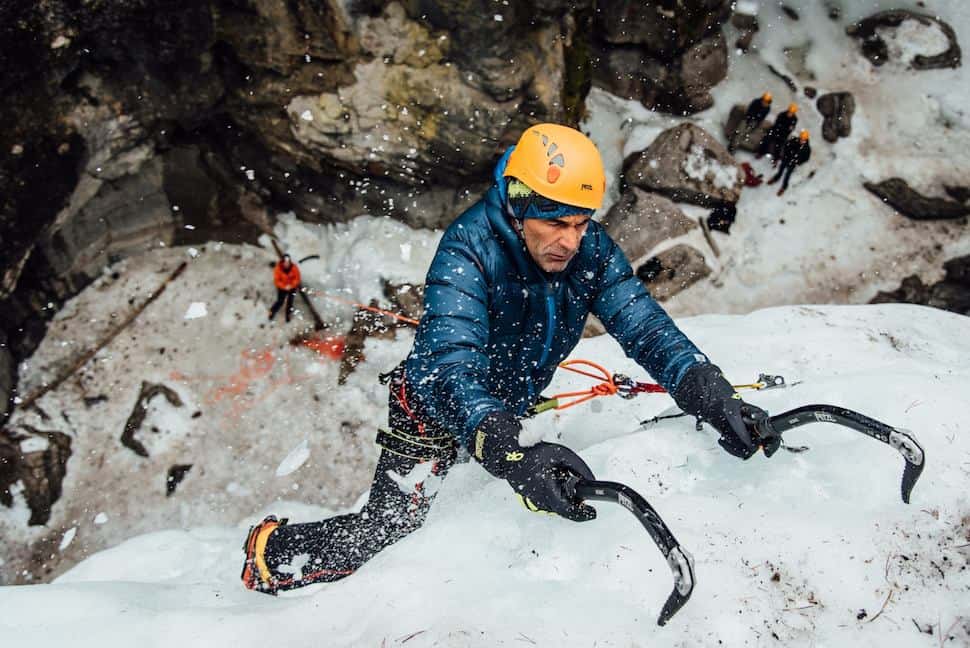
286	279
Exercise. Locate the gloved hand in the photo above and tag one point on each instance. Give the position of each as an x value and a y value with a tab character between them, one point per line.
536	473
705	393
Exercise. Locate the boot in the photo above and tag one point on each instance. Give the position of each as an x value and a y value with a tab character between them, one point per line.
256	575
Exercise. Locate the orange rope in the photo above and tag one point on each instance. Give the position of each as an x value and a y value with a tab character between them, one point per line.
372	309
606	388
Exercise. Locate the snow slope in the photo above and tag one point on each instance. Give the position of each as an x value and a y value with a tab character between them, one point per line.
807	549
250	398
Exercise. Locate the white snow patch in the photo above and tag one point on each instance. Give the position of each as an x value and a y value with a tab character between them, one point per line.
296	458
306	115
101	518
911	38
699	166
34	444
196	310
67	538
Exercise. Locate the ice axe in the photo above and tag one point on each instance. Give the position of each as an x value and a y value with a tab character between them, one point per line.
679	561
770	430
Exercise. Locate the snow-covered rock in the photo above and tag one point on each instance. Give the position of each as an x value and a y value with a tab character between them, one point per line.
687	164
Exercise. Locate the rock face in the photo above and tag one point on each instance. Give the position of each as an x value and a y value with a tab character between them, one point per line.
666	56
837	109
896	193
128	121
672	271
639	221
872	31
952	293
747	26
686	164
38	460
752	138
6	377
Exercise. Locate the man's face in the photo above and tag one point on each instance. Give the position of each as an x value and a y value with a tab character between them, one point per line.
554	242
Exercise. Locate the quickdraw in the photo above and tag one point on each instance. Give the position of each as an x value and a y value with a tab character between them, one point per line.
621	385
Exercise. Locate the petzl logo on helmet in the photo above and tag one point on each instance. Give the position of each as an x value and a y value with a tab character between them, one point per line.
556	161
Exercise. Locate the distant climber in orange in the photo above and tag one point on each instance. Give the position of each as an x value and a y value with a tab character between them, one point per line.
286	276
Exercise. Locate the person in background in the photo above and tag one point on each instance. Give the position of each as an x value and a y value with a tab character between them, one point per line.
286	277
797	151
774	140
755	114
722	217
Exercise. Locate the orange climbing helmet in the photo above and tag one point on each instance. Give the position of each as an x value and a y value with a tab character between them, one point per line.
792	108
559	163
765	98
803	136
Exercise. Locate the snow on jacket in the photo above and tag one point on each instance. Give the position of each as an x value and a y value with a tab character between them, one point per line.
496	326
286	280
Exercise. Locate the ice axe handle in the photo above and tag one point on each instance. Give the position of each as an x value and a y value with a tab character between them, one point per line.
763	433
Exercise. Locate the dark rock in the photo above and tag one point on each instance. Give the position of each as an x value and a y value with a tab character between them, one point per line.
896	193
663	31
125	110
641	220
7	379
784	77
672	271
834	9
952	293
747	26
810	92
876	50
140	410
91	401
837	109
406	299
789	12
751	138
679	87
38	460
685	163
960	194
175	476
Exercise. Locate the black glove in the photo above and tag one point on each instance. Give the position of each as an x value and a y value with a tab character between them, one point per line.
536	473
703	392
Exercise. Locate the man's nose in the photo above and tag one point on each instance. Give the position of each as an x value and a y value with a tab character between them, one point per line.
571	239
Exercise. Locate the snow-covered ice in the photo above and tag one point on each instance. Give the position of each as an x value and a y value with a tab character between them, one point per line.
806	549
196	310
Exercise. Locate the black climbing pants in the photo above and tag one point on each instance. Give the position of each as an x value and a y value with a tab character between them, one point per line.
414	459
283	295
786	170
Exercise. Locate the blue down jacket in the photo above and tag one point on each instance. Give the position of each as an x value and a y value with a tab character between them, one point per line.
495	325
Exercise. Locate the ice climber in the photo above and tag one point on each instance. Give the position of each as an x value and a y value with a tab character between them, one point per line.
286	278
753	116
797	151
507	296
774	140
